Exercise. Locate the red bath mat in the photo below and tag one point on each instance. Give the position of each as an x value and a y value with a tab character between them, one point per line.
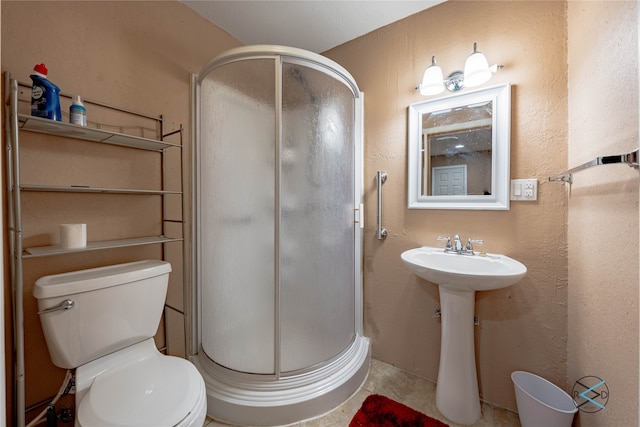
380	411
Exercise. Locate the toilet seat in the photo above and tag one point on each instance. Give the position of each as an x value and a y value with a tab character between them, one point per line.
153	390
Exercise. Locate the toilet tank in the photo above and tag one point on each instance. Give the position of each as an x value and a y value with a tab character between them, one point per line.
113	307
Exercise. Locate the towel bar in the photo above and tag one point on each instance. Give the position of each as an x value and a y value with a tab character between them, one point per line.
630	159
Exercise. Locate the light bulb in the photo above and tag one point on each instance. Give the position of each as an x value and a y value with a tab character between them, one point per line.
476	69
432	79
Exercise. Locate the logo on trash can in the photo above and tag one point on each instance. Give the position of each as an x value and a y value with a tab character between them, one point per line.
591	394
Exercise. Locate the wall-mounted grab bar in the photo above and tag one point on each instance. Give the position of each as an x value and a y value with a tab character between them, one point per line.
630	159
381	178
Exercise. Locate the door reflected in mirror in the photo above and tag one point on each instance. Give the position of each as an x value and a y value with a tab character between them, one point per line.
459	151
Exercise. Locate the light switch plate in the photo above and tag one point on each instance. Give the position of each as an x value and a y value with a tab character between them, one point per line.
524	189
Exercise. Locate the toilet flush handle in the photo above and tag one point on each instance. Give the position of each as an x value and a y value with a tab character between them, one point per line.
64	305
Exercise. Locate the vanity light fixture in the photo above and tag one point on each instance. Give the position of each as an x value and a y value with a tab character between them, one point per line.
476	72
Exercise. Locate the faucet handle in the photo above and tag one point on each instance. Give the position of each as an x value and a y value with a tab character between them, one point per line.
470	243
448	245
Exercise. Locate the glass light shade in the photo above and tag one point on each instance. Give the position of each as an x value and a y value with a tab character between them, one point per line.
432	80
476	70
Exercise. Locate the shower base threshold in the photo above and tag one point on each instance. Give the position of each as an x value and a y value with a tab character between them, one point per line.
259	400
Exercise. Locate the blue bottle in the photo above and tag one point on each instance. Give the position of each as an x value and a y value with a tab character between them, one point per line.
45	96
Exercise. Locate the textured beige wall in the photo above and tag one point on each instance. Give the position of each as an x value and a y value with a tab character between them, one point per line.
523	326
603	205
138	55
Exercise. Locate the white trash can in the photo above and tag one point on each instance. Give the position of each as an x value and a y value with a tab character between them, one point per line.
542	403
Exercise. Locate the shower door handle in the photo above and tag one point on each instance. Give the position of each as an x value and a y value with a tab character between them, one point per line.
381	178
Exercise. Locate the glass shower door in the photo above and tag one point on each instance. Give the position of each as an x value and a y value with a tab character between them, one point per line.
317	218
237	205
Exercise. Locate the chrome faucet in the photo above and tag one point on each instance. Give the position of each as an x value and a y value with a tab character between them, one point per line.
457	247
457	244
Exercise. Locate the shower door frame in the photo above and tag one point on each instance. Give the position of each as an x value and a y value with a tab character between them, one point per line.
280	55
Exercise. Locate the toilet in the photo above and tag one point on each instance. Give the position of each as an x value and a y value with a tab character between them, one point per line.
102	322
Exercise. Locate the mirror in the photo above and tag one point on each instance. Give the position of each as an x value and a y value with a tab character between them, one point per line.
459	151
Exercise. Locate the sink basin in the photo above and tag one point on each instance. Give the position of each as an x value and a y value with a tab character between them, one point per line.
464	272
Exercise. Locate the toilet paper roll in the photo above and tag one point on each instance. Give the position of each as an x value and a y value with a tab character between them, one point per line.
73	236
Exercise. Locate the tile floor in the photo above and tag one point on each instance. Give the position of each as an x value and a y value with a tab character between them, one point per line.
415	392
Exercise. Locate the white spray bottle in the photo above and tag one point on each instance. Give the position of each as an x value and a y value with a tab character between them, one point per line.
77	112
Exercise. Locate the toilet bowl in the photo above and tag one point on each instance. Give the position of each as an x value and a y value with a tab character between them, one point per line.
139	386
102	322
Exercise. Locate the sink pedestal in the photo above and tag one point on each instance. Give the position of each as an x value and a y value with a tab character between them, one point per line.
458	278
457	396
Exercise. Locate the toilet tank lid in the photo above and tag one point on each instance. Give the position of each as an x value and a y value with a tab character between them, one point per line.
75	282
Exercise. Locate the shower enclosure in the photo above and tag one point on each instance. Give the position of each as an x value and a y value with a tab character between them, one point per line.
278	263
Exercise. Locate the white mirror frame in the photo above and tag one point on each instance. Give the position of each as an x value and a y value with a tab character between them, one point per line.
500	154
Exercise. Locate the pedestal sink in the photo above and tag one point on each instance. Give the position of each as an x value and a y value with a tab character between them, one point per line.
458	278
